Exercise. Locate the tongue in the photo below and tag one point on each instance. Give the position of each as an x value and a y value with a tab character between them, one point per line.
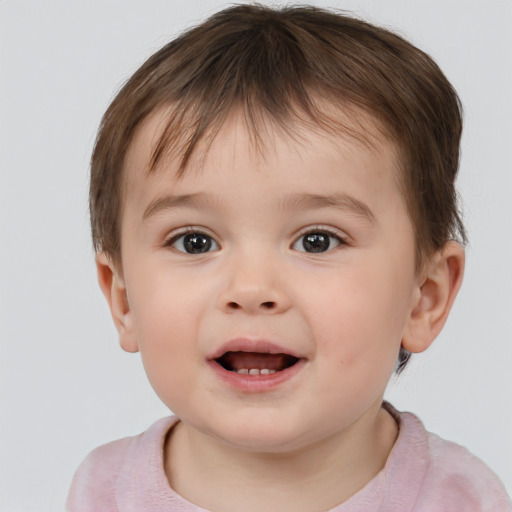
240	360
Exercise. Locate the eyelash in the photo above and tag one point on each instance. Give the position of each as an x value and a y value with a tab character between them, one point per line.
316	230
322	230
171	242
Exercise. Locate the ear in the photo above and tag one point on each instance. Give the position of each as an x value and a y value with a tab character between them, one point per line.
437	288
113	287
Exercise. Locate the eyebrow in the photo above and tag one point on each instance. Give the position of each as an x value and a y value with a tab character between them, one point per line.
292	202
341	201
199	201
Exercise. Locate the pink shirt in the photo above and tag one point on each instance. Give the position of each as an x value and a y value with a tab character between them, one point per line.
423	473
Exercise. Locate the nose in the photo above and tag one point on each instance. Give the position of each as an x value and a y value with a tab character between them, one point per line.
254	287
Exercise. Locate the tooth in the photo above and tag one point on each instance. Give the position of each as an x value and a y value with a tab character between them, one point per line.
255	371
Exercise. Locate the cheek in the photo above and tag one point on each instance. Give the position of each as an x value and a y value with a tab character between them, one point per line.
363	321
163	302
357	345
166	321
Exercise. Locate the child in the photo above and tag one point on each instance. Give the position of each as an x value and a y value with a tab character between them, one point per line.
275	221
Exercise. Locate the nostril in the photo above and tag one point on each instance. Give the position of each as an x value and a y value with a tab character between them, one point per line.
267	305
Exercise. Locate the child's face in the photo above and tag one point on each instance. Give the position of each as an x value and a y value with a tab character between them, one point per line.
305	250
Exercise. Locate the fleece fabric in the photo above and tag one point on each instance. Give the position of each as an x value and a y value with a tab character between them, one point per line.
423	473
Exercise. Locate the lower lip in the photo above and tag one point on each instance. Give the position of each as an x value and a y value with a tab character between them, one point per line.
256	383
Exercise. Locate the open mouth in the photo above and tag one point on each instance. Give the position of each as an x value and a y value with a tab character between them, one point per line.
255	363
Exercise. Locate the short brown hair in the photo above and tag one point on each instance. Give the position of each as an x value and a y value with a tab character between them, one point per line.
272	63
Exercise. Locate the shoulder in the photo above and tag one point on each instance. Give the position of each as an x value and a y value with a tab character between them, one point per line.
100	478
462	474
454	479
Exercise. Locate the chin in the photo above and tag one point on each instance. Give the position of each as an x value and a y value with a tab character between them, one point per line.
260	436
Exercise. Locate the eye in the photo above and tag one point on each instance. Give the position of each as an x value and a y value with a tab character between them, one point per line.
193	243
317	241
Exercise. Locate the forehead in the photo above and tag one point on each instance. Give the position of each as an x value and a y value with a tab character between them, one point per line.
284	172
347	130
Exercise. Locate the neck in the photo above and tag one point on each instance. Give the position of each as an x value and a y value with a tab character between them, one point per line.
218	477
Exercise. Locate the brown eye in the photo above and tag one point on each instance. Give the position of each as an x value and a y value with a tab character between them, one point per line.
194	243
317	241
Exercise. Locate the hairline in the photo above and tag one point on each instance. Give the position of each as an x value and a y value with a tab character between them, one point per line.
370	133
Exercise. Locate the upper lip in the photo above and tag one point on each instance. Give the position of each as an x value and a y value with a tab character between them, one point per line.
257	345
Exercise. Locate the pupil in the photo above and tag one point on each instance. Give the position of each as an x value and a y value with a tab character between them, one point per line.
316	242
197	243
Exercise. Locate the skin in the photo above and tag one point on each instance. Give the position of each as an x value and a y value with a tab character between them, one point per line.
319	437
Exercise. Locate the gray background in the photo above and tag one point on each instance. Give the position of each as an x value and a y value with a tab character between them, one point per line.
65	385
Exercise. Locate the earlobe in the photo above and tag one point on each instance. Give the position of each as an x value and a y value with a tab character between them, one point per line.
436	292
113	287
